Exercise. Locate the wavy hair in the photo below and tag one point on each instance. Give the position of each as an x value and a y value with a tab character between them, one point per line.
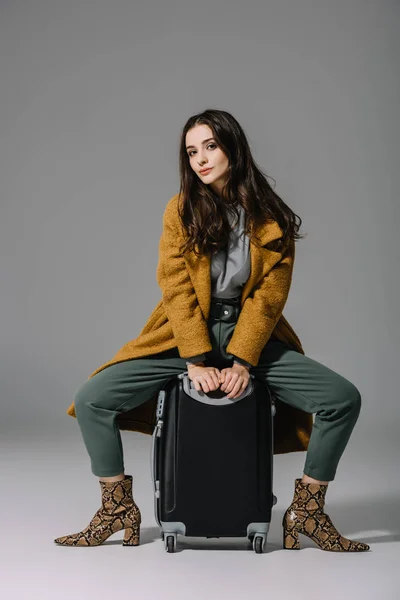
203	213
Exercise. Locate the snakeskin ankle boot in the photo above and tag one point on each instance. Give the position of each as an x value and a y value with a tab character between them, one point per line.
305	515
118	511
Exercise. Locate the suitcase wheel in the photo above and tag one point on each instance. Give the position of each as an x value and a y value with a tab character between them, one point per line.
170	542
258	542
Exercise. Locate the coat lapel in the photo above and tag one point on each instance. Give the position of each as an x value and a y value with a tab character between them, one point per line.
262	260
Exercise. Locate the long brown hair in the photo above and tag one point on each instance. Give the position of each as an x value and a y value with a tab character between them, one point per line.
203	213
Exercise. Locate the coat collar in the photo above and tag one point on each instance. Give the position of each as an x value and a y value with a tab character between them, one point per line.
262	259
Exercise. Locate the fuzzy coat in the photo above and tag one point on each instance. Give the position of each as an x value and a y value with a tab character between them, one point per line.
180	320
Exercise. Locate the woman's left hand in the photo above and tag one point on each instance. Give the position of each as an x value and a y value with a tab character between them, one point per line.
234	380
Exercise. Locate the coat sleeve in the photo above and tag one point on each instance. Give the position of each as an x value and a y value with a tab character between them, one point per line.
262	309
189	327
236	359
193	360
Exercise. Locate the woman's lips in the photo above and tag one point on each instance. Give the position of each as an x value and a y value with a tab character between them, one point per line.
205	172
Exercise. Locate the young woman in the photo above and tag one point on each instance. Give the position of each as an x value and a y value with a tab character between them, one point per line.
225	266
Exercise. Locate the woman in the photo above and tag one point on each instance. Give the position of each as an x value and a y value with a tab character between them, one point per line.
225	266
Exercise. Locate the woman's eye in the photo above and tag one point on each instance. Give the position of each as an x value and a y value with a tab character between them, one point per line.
191	151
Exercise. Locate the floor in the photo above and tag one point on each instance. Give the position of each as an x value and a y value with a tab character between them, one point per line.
48	491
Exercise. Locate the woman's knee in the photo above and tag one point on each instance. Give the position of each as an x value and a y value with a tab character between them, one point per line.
84	398
349	396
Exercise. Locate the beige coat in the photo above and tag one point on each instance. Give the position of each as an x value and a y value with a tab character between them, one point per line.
180	320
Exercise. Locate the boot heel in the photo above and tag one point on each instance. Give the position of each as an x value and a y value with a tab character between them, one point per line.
291	539
131	536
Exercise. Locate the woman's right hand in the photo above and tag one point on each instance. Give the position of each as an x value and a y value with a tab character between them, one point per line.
205	379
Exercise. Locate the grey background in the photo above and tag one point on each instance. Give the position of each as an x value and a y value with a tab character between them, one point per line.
93	97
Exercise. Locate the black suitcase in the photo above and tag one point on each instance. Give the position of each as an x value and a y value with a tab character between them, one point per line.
212	462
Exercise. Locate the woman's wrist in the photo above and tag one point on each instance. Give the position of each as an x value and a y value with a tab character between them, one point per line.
237	362
189	365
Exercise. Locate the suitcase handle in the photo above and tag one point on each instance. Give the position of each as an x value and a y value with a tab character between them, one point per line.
200	396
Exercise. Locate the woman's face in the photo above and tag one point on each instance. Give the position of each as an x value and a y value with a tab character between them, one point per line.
203	152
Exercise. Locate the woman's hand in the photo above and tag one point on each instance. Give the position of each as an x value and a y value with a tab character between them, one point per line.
205	379
234	380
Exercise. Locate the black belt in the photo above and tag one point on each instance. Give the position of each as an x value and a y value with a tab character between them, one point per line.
235	301
227	309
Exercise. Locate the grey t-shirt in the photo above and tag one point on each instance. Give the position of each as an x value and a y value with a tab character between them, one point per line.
230	269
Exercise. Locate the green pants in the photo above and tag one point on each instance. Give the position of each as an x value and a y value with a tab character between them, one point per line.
291	376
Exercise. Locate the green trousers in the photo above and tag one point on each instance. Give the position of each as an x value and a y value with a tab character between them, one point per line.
291	376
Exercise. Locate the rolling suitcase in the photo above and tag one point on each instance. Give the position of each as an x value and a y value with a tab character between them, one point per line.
212	462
